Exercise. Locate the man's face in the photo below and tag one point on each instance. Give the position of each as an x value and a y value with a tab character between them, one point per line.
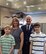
28	20
37	29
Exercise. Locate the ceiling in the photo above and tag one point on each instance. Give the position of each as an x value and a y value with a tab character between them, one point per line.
25	5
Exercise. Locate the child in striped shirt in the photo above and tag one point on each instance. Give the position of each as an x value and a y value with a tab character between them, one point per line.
7	42
37	40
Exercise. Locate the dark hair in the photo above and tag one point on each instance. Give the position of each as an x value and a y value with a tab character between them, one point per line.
37	24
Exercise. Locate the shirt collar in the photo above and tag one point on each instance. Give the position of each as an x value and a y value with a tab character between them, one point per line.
38	33
29	25
6	35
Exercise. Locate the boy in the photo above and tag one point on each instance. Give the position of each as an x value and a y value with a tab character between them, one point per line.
7	41
37	40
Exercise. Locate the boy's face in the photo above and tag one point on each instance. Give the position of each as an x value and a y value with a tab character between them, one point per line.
37	29
7	30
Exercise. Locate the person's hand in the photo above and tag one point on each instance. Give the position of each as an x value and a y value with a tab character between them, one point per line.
19	51
11	52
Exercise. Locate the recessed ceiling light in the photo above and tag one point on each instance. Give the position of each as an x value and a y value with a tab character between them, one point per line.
7	3
10	0
16	0
27	6
18	7
41	0
39	8
25	2
15	5
32	6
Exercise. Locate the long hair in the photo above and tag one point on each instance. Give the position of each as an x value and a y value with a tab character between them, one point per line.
15	20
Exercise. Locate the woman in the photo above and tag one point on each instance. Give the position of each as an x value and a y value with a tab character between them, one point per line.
18	35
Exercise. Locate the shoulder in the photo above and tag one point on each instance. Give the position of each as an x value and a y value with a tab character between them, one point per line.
1	37
20	29
23	26
31	37
32	34
32	25
10	36
42	34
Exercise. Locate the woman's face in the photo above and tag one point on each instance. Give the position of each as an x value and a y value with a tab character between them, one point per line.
15	23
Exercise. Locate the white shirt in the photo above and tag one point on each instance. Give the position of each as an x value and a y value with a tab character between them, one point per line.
29	26
38	40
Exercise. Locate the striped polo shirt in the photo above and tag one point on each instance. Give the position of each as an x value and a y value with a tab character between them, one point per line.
6	42
37	42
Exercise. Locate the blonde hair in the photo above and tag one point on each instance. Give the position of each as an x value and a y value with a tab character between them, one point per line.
16	20
7	26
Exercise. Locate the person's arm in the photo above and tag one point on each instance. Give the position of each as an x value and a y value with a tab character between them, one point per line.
44	47
30	40
11	50
0	50
12	46
0	46
30	48
21	41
